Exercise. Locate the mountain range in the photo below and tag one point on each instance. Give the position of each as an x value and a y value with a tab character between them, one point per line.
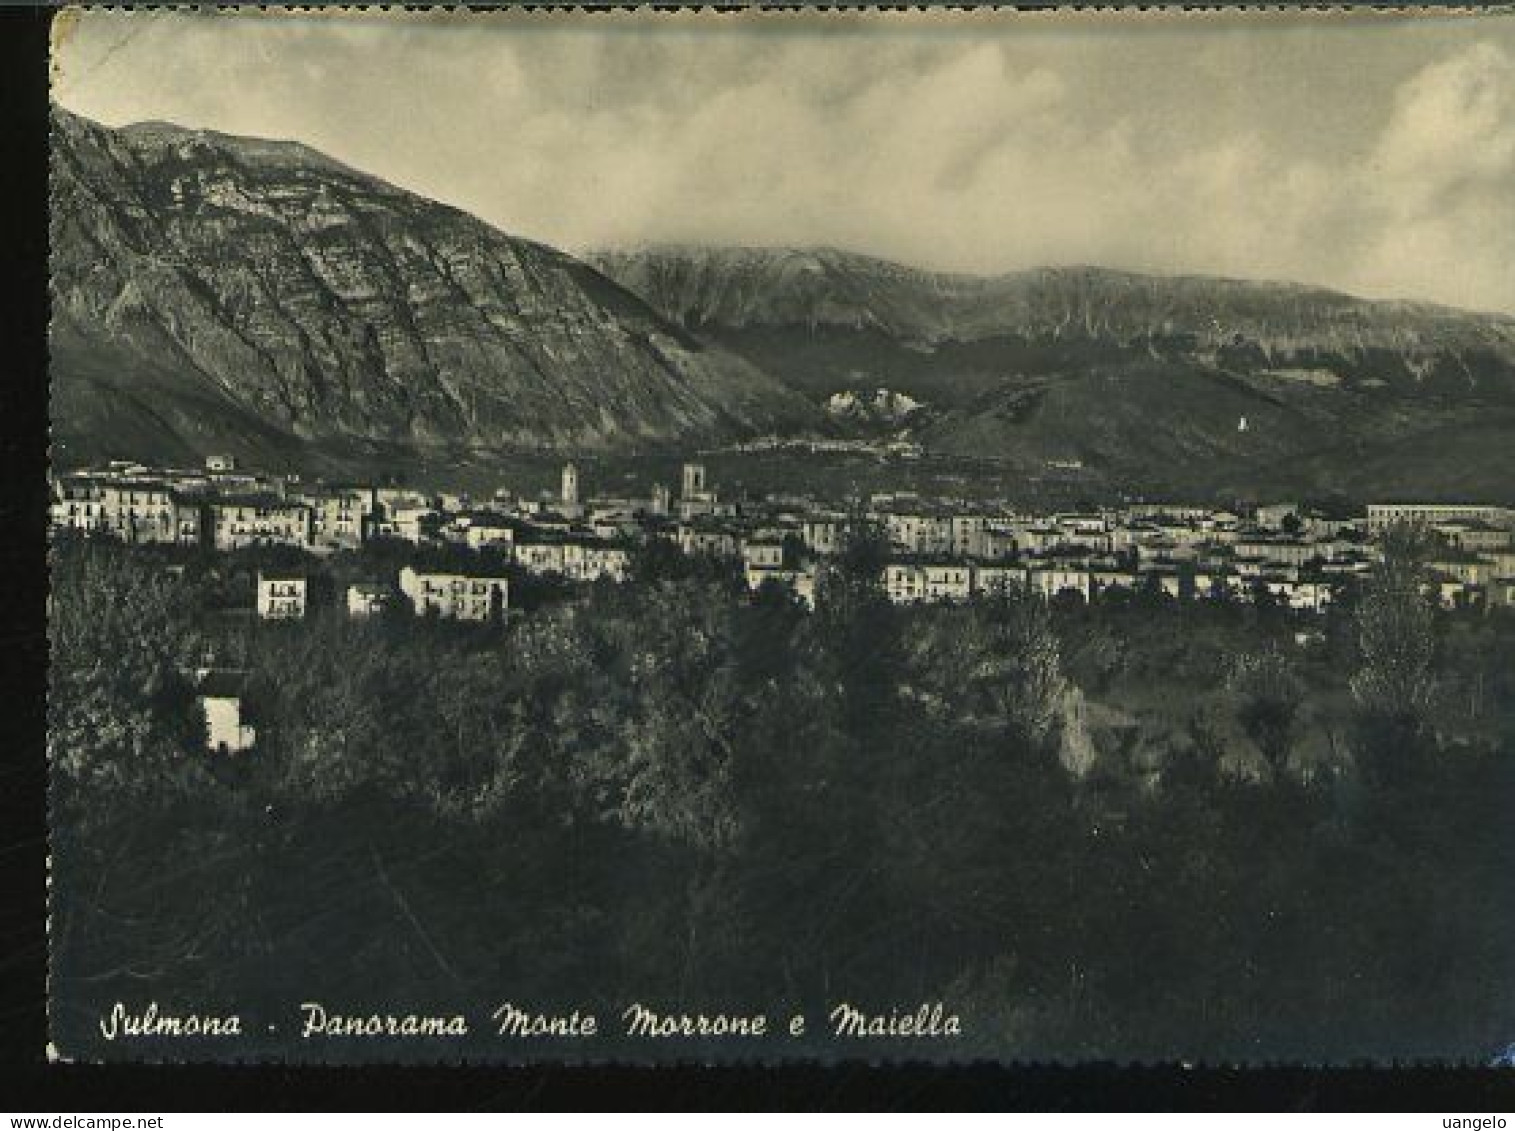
217	293
1147	382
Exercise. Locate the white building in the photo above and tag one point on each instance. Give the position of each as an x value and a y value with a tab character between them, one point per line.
585	560
1049	581
367	599
133	510
409	522
1383	515
281	596
541	557
764	553
998	578
698	538
947	581
340	517
220	697
970	535
904	582
455	596
662	500
918	532
259	520
823	535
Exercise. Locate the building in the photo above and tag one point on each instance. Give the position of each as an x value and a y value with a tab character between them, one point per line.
996	579
970	535
1383	515
763	553
413	523
918	532
541	557
825	534
455	596
78	503
1467	570
1474	536
220	464
1453	594
998	542
1039	538
1312	596
281	595
368	599
1278	551
569	495
904	582
800	582
697	497
1109	579
576	557
391	498
483	531
191	518
1050	580
132	510
220	697
259	520
947	581
702	538
340	517
1501	563
1501	594
591	559
1275	516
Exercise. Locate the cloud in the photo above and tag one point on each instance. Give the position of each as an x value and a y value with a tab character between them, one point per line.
1441	182
1374	154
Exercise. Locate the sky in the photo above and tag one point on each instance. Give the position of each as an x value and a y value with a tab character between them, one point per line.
1371	152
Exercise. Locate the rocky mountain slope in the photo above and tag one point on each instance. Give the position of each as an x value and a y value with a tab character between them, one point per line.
1145	383
224	293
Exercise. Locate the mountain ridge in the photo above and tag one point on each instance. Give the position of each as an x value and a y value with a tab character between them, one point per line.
704	285
822	251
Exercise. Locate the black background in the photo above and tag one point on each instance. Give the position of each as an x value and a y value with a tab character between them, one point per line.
28	1083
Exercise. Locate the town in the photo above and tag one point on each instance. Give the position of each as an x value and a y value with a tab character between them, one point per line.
939	550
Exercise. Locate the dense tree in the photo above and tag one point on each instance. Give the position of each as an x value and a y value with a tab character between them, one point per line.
673	788
120	708
1395	683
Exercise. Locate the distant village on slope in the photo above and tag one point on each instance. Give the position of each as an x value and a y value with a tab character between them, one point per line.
939	550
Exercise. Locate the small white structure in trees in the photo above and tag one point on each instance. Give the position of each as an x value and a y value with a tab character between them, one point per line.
220	695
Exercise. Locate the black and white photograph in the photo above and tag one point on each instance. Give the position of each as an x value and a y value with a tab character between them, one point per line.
781	537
